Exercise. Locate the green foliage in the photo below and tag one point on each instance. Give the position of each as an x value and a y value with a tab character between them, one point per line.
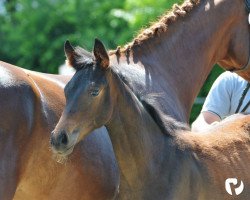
32	32
140	14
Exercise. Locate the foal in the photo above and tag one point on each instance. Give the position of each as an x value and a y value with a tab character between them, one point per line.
157	157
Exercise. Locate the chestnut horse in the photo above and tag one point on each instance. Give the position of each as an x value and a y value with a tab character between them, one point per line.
172	59
30	106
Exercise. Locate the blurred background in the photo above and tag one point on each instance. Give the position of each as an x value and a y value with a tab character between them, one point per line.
32	32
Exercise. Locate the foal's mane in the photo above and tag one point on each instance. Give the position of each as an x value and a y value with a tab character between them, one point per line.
167	124
160	26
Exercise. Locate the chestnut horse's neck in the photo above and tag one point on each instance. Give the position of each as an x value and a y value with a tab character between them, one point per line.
180	58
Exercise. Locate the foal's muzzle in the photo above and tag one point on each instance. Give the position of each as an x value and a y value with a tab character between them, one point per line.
59	142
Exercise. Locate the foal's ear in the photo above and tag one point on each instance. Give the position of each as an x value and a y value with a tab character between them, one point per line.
101	54
70	53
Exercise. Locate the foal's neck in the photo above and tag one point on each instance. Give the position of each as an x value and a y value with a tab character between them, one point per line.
140	147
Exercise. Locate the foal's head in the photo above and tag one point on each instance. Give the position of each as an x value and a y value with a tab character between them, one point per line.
88	99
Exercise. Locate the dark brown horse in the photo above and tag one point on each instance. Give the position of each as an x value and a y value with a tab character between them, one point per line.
30	106
174	57
158	158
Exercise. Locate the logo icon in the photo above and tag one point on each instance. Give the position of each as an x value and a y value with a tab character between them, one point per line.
230	185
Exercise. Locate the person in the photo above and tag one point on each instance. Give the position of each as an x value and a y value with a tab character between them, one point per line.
229	94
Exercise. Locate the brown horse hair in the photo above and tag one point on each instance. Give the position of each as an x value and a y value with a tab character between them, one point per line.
159	27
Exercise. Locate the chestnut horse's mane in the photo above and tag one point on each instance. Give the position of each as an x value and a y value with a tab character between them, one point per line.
160	26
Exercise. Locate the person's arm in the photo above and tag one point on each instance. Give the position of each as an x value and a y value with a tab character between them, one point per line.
205	120
217	104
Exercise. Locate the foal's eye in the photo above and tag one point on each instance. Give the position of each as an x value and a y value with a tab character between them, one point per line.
95	92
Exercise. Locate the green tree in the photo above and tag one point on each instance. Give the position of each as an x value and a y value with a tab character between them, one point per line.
33	32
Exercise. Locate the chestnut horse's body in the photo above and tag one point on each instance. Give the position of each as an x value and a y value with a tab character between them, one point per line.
30	106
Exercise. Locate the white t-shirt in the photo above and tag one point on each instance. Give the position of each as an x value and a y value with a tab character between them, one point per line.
225	94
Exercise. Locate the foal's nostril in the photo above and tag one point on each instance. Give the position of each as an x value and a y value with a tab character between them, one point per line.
62	138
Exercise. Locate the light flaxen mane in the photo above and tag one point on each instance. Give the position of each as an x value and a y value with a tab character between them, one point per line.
160	26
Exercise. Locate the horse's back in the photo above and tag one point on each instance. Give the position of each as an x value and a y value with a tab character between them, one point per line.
223	152
30	106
